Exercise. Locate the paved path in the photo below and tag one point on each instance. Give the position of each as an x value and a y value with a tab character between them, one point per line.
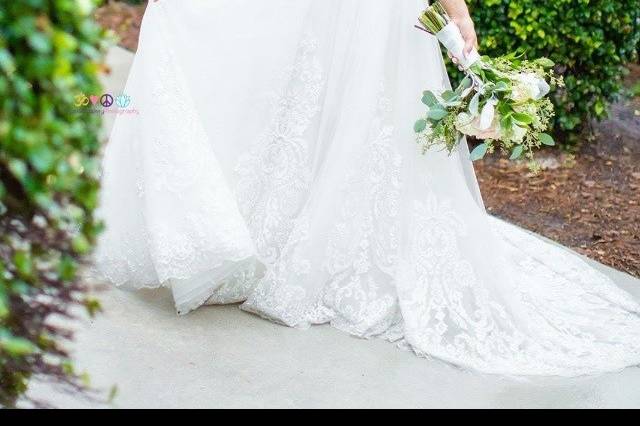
220	357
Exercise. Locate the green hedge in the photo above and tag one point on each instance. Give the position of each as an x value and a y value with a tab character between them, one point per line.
590	40
50	52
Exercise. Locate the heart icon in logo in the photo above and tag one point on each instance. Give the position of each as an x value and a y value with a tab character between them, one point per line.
94	99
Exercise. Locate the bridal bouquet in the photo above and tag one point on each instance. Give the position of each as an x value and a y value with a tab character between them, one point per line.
502	101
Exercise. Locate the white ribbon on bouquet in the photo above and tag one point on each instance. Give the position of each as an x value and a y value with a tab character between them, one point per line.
451	38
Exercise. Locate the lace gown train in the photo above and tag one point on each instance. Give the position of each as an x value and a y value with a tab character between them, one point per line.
273	163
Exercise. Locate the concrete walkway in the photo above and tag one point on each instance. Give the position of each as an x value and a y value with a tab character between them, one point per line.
220	357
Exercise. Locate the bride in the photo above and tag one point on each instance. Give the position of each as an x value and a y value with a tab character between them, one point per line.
273	163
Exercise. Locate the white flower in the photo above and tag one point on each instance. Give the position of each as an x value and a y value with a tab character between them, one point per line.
518	134
470	125
529	86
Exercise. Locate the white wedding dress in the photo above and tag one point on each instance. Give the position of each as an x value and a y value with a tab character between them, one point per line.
274	163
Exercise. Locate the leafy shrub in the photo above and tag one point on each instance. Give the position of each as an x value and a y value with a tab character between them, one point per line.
590	40
50	51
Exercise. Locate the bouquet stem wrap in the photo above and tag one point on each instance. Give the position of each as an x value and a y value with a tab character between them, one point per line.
451	38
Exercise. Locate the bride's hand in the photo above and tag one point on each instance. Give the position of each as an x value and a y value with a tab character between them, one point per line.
468	31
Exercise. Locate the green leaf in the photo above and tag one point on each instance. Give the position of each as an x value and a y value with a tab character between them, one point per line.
479	152
18	168
113	394
68	368
522	118
85	378
547	139
67	269
437	114
81	244
506	123
517	152
40	42
21	288
545	62
448	95
42	158
429	99
466	83
17	347
93	307
505	108
501	87
420	125
4	304
24	263
476	68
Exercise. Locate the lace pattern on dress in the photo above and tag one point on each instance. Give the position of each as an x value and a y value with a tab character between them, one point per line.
356	290
362	252
275	174
179	186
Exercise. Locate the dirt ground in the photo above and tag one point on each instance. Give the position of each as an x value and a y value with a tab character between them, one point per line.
588	200
124	20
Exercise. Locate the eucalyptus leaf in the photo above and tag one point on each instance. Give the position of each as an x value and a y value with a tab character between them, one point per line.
466	83
448	95
517	152
479	152
437	114
547	139
420	125
429	99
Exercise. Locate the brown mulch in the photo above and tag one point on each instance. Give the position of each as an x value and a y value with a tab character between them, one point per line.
124	20
588	201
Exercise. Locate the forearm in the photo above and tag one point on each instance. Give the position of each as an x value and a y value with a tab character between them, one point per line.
457	9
